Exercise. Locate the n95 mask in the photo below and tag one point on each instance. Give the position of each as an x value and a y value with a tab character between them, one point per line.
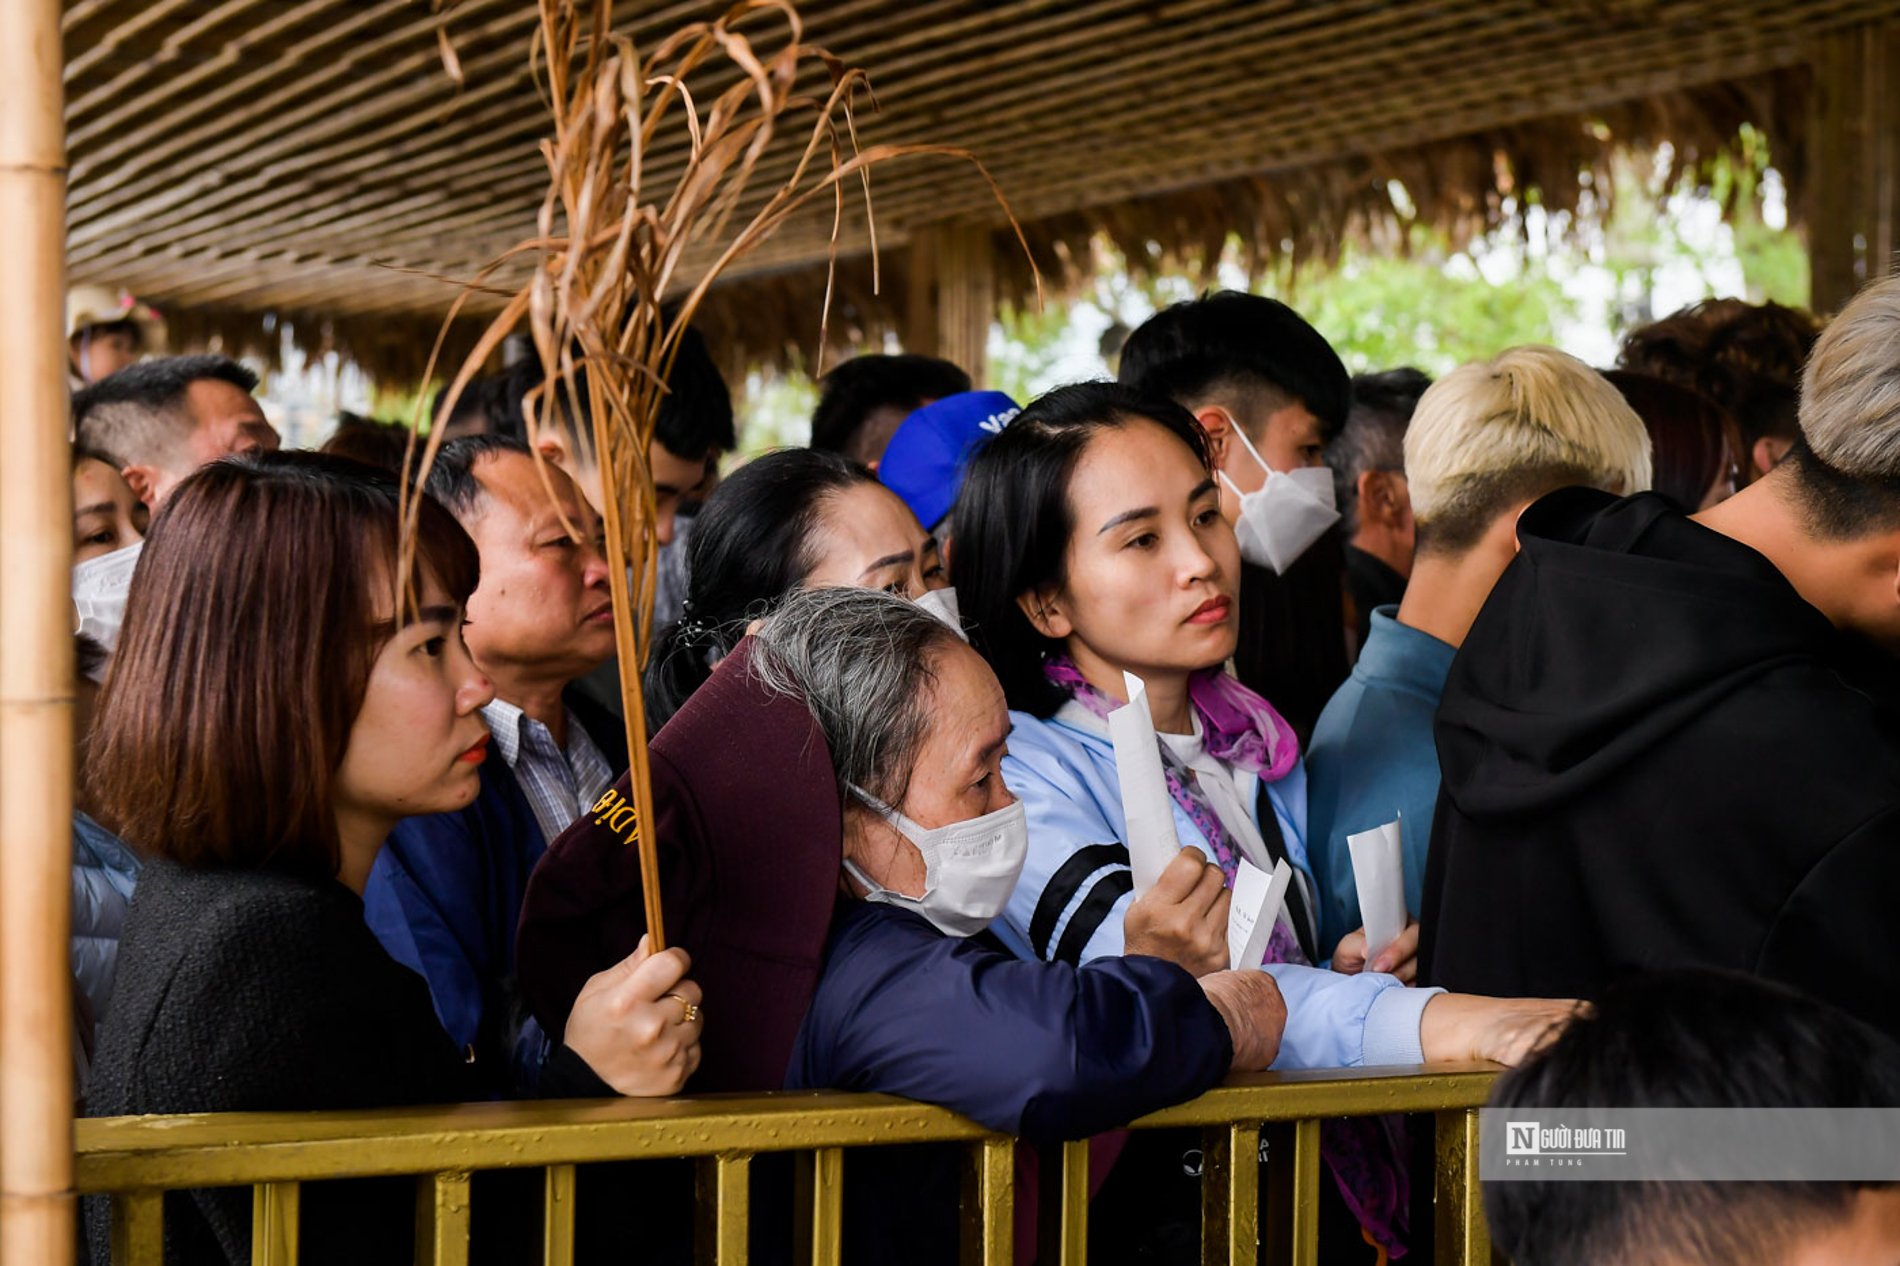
99	589
970	868
1281	520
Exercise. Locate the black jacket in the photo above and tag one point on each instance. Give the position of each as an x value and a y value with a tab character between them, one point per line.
1656	754
254	991
1292	647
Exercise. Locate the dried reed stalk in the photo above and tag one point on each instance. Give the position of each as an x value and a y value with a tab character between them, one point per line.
609	250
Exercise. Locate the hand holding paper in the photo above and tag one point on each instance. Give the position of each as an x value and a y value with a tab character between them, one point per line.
1256	905
1378	871
1146	804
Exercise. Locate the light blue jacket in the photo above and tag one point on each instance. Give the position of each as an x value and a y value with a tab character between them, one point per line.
1076	888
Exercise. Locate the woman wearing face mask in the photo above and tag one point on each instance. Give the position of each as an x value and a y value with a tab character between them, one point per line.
833	830
315	712
107	522
1089	544
795	518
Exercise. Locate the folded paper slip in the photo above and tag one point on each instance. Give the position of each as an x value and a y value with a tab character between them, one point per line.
1259	900
1146	804
1378	871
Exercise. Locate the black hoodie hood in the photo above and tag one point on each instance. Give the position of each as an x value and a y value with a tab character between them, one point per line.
1558	687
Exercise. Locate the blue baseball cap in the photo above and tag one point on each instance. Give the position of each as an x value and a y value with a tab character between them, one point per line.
924	461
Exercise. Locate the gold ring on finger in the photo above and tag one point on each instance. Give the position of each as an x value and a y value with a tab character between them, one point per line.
690	1010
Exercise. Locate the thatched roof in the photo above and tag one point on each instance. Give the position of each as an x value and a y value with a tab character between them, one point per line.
315	160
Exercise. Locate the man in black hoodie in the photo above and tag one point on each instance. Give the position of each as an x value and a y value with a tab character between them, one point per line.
1665	742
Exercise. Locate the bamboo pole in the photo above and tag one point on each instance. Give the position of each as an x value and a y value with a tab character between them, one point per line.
36	656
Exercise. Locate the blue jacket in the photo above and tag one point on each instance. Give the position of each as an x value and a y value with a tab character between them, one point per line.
105	870
1077	875
1372	758
444	898
1044	1050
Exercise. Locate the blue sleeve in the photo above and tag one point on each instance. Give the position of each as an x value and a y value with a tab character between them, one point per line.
1335	1021
1076	883
1043	1050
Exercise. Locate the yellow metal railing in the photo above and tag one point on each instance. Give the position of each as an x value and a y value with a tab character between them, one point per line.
137	1159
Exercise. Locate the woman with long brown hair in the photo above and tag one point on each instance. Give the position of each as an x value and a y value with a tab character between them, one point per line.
278	702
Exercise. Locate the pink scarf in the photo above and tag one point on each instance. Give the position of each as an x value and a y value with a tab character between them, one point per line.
1237	725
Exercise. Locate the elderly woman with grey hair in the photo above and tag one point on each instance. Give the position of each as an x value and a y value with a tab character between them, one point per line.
834	831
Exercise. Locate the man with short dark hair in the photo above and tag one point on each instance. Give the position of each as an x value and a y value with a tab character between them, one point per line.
446	890
161	419
1271	394
1706	1042
1667	740
692	431
1375	506
863	401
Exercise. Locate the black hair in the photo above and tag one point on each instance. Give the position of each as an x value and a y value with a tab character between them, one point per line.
694	421
1688	1039
370	441
1013	521
695	418
751	545
483	401
99	328
452	475
117	415
1692	439
1230	341
858	387
1374	435
1837	506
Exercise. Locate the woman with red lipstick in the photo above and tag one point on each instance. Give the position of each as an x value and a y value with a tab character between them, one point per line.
1090	543
272	712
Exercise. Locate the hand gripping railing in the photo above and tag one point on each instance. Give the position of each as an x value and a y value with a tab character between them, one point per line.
137	1159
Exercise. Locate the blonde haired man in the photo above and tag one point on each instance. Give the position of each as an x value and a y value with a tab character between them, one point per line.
1486	440
1665	741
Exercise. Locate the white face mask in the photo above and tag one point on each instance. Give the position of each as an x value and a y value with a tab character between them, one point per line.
942	603
1281	520
99	588
970	868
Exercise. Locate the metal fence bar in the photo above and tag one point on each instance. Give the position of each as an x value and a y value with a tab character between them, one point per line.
724	1210
138	1228
274	1217
136	1159
1230	1195
241	1148
1293	1179
557	1235
989	1202
1063	1236
442	1214
1458	1201
825	1234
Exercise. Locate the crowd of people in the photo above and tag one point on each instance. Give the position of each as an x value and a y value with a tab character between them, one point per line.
1613	648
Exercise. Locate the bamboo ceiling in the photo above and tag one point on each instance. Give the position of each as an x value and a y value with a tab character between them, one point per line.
233	158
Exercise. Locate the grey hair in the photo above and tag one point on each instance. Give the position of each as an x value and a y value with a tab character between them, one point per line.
863	661
1374	435
1850	393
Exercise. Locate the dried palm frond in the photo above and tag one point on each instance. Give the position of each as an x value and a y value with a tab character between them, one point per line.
610	249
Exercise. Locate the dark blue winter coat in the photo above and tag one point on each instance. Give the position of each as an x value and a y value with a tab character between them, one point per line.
1043	1050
